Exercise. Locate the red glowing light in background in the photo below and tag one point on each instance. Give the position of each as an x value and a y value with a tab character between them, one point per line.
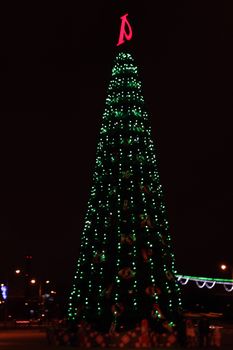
125	35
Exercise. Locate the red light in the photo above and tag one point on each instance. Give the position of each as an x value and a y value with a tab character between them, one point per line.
28	257
123	34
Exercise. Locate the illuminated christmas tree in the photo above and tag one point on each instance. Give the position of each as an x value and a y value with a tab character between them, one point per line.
125	271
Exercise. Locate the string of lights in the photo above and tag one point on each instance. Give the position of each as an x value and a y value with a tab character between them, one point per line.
207	282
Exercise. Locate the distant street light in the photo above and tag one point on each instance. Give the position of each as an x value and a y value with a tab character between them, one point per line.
36	292
225	267
41	288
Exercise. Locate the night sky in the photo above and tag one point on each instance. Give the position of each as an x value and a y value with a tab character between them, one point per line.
55	67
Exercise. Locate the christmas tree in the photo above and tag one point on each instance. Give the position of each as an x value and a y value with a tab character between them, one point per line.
125	271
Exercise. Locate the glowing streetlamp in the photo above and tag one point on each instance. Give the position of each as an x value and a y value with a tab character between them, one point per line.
40	285
225	267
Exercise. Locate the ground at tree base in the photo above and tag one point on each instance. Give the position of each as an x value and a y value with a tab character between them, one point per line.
35	339
137	338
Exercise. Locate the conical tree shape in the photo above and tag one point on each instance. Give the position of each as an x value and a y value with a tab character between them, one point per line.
125	271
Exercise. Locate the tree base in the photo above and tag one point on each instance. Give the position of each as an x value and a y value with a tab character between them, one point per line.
130	339
83	335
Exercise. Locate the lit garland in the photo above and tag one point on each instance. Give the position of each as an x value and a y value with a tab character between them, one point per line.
207	282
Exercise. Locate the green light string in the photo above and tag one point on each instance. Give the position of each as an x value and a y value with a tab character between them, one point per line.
163	221
133	233
117	278
147	229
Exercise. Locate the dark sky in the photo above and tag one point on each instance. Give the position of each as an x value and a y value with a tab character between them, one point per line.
55	67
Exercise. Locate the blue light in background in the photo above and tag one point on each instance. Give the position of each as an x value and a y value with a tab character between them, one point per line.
4	291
